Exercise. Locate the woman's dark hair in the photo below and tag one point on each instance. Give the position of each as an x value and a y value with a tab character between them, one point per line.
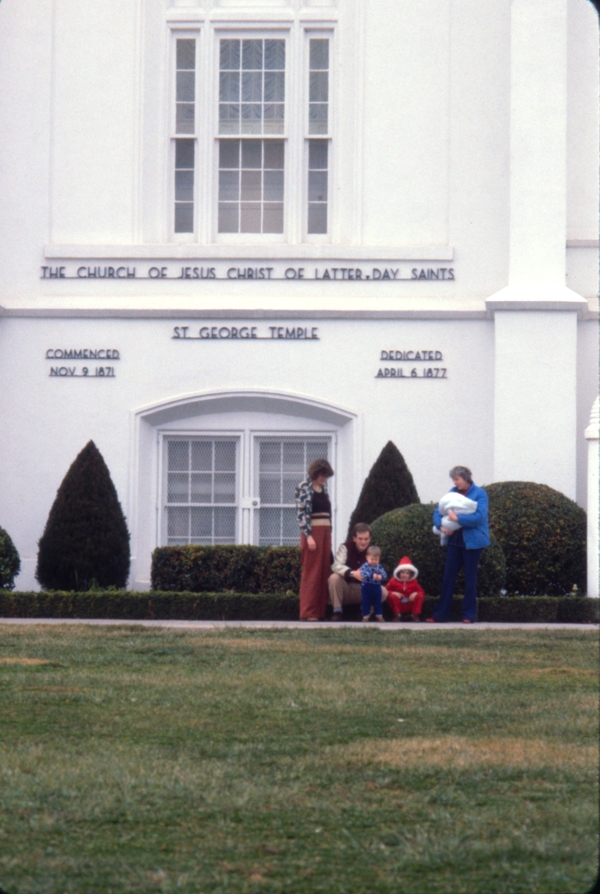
462	472
319	467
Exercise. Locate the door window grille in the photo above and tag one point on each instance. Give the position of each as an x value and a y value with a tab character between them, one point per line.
282	463
201	504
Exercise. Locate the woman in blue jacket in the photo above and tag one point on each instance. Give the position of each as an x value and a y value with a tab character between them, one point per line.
464	547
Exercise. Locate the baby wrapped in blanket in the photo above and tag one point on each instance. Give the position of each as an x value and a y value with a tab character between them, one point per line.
460	504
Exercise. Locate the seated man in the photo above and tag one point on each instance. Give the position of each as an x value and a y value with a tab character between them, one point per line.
344	583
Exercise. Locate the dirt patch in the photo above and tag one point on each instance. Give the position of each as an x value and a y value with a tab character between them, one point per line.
459	751
26	662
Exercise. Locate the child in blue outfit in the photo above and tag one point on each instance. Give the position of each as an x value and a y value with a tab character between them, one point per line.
372	573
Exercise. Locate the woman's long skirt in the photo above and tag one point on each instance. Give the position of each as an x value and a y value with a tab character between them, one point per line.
316	568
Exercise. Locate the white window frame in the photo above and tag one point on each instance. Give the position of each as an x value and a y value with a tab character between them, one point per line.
247	498
167	436
295	136
318	34
258	436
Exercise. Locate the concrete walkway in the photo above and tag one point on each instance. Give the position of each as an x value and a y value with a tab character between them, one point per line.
300	625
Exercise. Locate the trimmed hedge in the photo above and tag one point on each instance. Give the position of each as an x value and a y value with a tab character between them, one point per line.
543	535
217	569
150	605
129	606
407	532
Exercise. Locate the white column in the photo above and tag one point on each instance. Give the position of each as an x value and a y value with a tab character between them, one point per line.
538	143
593	501
536	315
535	398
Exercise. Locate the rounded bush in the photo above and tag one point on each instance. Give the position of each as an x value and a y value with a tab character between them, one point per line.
543	535
10	563
407	532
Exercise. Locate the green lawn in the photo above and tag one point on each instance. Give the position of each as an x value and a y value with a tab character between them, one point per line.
335	760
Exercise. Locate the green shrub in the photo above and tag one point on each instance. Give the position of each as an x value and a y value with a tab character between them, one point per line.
85	541
543	535
10	563
407	532
216	569
129	606
389	485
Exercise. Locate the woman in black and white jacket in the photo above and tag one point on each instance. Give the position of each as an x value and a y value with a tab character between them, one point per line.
314	518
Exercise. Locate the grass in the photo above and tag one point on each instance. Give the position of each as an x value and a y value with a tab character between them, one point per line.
338	761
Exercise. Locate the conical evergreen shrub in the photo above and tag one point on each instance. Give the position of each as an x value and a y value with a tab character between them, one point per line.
86	541
389	485
10	563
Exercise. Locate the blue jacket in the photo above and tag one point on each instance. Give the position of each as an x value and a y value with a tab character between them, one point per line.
475	527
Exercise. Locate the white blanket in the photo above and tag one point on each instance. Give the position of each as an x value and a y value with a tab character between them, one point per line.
460	504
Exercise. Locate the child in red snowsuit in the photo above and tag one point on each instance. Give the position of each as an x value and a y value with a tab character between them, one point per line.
404	592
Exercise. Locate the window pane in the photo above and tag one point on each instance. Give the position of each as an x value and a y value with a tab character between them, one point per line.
250	218
229	55
201	490
184	217
273	186
275	54
273	123
252	54
185	86
288	487
201	525
273	154
252	119
252	85
317	218
224	487
178	520
229	86
178	487
270	456
186	53
229	186
289	527
224	525
319	86
202	456
184	186
293	457
229	153
228	218
317	155
184	118
229	119
319	54
225	454
251	186
270	527
318	117
184	153
274	86
178	454
317	186
251	153
273	219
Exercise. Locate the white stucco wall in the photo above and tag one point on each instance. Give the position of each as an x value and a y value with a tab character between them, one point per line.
454	125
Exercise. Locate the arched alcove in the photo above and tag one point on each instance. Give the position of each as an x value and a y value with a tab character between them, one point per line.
260	431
